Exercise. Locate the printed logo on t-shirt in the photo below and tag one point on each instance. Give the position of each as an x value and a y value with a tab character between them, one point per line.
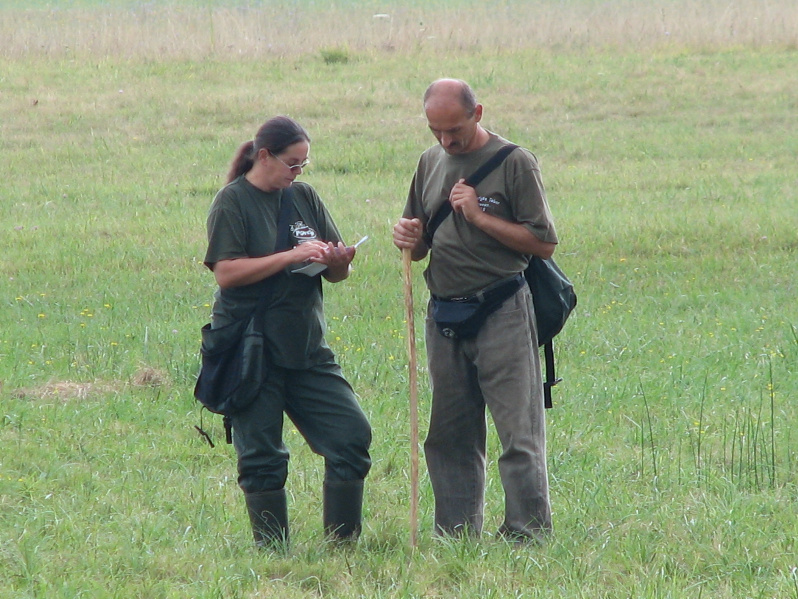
303	232
488	204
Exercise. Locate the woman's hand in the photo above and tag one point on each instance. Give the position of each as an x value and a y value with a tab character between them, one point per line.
309	250
337	257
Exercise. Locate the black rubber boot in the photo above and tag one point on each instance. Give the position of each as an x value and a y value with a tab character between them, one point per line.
343	506
268	514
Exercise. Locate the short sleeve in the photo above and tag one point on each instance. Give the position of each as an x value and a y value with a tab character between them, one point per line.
528	196
226	231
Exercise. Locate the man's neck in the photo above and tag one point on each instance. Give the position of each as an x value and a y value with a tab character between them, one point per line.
480	139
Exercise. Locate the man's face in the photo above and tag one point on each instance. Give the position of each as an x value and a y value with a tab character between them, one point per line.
452	126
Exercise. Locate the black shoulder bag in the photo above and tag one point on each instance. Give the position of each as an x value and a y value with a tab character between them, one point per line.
234	363
553	294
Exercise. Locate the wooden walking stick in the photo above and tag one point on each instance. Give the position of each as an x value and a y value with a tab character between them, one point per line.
413	379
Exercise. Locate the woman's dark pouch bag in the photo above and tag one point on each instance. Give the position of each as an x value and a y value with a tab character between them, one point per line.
234	360
233	366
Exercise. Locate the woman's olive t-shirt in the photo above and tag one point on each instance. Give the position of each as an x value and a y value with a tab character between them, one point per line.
242	223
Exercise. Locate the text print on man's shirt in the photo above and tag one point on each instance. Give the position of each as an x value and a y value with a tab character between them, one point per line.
488	204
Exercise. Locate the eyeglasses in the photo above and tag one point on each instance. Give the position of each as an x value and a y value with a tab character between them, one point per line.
294	167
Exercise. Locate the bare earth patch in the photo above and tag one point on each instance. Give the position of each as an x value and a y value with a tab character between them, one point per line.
149	377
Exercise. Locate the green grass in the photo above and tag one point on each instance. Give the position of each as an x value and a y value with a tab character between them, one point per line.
670	170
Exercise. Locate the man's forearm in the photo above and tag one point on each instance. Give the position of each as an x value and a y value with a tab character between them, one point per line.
514	235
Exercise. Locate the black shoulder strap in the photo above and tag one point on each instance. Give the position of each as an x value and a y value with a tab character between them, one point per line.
283	230
494	161
551	377
474	180
286	207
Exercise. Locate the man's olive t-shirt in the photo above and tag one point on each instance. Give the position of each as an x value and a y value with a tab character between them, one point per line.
464	259
242	222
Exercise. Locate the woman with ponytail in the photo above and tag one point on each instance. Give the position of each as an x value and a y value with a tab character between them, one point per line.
304	381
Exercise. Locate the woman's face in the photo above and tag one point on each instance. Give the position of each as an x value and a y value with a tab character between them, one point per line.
281	169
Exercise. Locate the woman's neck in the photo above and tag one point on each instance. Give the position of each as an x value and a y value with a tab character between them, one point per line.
257	180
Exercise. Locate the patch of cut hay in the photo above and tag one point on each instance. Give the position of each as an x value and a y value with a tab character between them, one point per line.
68	390
64	390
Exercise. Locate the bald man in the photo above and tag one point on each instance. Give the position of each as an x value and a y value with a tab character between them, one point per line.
480	251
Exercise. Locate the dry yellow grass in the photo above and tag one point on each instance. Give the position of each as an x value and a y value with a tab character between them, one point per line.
289	29
69	390
64	390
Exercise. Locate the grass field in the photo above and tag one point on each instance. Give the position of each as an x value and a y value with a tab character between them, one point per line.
666	136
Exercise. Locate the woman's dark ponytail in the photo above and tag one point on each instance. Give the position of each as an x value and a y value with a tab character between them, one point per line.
242	161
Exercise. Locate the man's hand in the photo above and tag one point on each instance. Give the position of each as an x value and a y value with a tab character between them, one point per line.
514	235
407	235
463	199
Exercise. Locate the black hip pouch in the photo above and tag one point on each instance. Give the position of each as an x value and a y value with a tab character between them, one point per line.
462	318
